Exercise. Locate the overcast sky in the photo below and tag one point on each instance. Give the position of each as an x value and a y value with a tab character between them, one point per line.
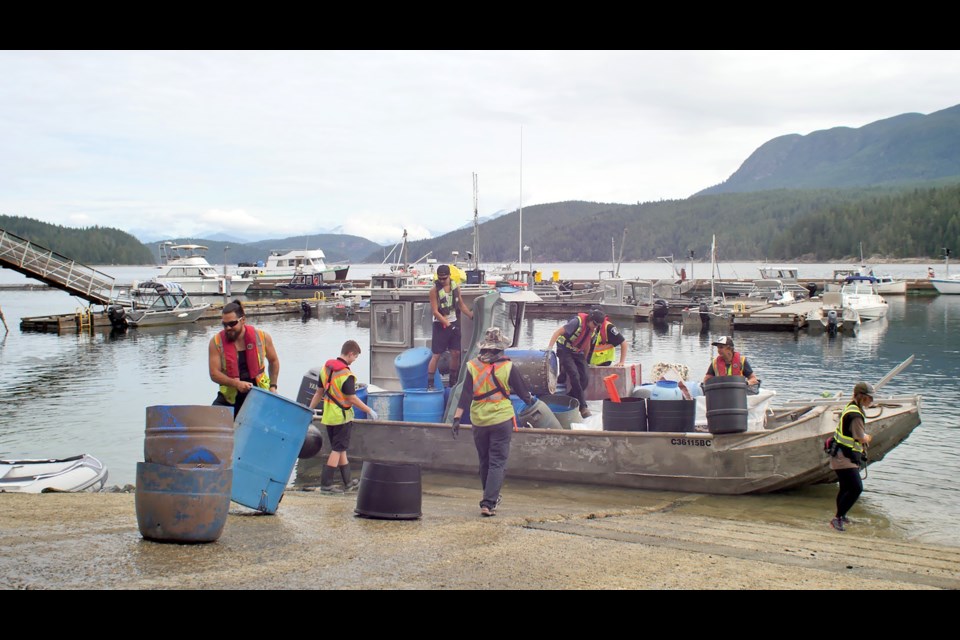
272	144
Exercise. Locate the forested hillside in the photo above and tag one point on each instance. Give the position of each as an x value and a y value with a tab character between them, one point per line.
91	245
906	149
775	225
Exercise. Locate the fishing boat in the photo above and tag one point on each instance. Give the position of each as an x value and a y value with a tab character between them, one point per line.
308	286
832	317
785	452
186	264
949	285
281	266
79	473
886	283
154	303
860	294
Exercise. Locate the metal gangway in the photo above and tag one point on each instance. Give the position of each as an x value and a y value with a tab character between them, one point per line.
56	270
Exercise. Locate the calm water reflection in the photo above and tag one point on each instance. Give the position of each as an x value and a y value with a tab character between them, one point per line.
70	394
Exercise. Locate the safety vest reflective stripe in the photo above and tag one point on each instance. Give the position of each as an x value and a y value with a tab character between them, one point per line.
580	338
490	406
261	379
336	409
447	301
602	350
735	368
848	441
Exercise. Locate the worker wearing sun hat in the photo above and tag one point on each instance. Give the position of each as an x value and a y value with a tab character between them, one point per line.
489	380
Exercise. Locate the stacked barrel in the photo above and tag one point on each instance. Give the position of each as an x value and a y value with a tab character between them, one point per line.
185	480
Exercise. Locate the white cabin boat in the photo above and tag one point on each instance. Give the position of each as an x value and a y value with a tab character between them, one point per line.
860	294
282	266
186	264
950	286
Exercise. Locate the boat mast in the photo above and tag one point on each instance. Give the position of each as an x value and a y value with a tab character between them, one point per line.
520	246
623	243
476	227
713	265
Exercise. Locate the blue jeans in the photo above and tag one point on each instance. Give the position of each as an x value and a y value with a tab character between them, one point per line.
493	447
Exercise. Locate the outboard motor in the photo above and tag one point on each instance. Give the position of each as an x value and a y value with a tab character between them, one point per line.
566	285
117	316
832	322
704	315
305	308
660	310
812	288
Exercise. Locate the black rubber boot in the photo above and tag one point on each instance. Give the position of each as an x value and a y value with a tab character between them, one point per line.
326	480
348	484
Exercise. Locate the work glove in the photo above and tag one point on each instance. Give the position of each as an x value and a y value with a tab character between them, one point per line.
456	428
373	415
753	389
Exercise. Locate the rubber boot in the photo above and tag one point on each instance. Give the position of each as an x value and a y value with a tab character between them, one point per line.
326	480
348	484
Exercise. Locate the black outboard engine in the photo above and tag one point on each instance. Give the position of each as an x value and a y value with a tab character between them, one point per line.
305	309
117	316
566	285
832	322
705	315
660	310
812	288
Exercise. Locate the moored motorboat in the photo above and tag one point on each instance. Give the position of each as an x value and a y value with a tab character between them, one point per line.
186	264
78	473
154	303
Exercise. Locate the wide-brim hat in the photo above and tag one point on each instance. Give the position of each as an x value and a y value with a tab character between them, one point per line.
493	339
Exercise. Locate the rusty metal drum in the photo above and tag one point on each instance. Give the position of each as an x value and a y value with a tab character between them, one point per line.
189	436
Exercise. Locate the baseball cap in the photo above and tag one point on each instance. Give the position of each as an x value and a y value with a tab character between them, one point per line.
596	316
863	388
493	339
724	341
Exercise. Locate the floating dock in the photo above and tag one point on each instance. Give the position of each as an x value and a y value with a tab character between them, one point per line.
88	319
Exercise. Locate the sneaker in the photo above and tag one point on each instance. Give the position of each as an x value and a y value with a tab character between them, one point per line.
845	520
332	489
837	524
585	412
353	486
486	512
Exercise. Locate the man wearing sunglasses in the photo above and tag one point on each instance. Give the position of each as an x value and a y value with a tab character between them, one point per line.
241	357
445	298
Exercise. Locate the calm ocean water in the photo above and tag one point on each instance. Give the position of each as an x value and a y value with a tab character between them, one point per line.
70	394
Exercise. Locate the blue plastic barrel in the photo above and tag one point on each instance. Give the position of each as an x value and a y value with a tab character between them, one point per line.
174	504
387	404
270	431
361	392
420	405
412	369
666	390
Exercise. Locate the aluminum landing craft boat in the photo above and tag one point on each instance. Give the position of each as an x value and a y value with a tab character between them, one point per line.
787	452
152	304
79	473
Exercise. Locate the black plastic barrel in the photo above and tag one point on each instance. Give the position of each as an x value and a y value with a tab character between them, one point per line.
726	404
630	414
390	491
671	415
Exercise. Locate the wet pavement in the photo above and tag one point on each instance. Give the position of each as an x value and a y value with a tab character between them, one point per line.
543	537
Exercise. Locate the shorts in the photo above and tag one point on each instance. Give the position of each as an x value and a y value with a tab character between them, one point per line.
339	436
445	339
